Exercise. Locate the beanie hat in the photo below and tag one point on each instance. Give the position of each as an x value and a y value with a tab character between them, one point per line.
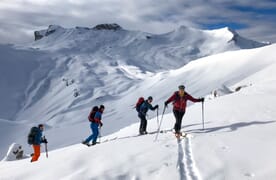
181	87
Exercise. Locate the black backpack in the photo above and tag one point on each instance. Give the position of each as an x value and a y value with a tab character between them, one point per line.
31	136
93	113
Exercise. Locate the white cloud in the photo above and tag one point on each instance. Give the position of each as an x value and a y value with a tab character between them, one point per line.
158	16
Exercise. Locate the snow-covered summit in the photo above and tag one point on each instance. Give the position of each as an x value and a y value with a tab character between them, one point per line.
46	32
55	28
140	48
244	43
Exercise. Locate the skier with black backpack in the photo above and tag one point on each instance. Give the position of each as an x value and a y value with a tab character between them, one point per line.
142	107
95	118
35	139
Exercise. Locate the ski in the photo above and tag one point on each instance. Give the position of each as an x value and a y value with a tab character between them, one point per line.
166	130
88	144
181	135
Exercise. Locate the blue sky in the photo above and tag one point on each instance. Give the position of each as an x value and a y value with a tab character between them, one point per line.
252	19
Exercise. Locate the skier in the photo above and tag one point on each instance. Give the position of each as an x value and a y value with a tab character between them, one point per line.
37	140
94	125
179	99
146	105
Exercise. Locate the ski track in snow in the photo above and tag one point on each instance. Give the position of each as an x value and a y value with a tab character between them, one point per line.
185	163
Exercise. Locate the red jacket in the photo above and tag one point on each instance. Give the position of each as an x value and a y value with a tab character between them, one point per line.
180	103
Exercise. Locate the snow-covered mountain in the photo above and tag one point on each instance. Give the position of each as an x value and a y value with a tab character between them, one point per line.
67	71
147	51
237	143
59	77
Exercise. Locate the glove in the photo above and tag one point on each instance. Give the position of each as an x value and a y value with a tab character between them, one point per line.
156	106
44	140
201	99
166	103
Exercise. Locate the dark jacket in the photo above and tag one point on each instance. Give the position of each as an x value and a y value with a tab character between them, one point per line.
38	137
145	107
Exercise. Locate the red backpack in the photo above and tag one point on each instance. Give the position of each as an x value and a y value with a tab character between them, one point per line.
139	103
92	113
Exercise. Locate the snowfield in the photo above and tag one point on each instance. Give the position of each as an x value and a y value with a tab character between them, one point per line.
236	143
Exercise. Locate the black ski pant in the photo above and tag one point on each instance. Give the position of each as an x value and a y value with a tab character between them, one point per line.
143	123
178	119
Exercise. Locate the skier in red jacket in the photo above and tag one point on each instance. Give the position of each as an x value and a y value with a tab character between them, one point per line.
179	99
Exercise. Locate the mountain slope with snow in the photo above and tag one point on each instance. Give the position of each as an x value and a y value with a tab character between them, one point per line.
62	76
57	82
237	143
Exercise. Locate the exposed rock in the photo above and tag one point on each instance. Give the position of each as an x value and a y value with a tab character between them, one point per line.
107	27
82	28
38	35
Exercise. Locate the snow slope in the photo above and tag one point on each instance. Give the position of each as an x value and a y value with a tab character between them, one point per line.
98	86
237	143
57	79
15	71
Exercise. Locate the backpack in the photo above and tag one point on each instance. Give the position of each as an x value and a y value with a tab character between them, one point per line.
92	113
31	136
139	103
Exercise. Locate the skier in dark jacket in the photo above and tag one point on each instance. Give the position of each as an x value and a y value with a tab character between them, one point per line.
142	114
38	139
94	125
179	99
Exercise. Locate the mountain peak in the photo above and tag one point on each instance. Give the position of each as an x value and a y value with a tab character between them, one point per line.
51	29
242	42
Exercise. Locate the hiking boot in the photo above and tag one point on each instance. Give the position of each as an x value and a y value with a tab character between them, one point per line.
85	143
94	143
178	134
143	133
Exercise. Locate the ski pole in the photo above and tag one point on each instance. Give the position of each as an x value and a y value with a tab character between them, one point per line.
202	105
157	118
100	135
158	130
46	150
